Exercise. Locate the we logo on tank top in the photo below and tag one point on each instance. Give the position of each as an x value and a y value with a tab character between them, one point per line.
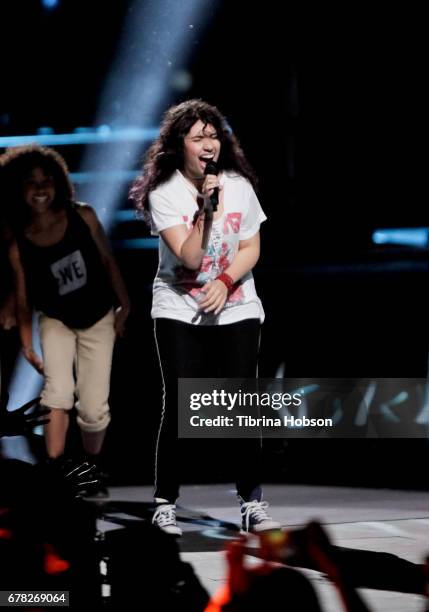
70	272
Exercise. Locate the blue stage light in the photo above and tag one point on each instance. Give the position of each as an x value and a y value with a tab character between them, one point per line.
410	237
151	64
50	4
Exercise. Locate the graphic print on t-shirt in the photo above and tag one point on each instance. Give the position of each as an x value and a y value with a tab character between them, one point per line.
219	255
70	272
233	222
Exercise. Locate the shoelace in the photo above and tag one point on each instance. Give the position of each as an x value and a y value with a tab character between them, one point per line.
165	515
255	510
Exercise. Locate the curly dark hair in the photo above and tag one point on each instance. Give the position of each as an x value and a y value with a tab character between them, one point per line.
16	164
165	155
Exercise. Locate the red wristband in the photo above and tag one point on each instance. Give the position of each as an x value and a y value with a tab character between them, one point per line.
226	280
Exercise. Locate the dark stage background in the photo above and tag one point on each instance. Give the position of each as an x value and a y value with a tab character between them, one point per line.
328	106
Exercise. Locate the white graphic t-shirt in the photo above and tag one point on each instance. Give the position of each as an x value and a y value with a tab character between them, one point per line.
177	290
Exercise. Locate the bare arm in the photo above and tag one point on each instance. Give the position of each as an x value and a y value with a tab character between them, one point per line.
97	232
23	310
7	312
186	246
246	258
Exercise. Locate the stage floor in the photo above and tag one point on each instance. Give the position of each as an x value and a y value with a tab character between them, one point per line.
380	520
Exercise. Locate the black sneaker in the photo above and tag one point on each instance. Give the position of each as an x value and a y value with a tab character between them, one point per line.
165	518
94	481
254	517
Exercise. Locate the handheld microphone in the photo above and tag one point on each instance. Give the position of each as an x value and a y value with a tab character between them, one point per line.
211	168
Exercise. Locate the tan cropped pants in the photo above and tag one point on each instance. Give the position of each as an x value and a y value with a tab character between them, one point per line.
77	363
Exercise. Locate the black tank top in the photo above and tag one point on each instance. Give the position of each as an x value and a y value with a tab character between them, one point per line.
68	281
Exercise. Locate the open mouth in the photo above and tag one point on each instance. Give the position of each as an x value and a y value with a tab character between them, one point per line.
206	159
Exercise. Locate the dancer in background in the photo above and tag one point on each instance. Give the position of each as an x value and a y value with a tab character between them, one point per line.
64	269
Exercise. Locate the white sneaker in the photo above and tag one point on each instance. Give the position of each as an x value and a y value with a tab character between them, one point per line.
254	517
165	518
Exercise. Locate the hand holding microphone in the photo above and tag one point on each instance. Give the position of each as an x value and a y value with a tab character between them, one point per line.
211	184
211	170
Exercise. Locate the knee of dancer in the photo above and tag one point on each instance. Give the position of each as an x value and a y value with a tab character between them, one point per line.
93	421
56	396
